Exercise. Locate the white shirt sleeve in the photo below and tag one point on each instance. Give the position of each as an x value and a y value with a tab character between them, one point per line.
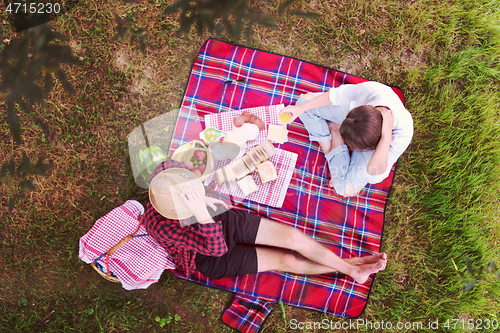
348	93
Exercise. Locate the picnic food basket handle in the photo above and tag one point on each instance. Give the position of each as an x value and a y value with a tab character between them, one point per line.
112	250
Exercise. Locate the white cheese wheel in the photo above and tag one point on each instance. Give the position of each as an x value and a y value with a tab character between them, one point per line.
247	131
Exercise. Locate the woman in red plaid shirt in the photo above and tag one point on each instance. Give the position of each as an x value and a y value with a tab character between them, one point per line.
220	242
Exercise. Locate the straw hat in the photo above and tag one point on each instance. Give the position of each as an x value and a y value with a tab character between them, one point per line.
163	192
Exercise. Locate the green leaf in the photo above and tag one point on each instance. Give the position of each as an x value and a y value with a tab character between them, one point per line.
25	167
27	185
12	166
22	302
11	205
13	121
470	269
41	168
283	310
468	286
175	7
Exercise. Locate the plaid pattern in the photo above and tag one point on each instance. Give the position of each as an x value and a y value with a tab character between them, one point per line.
224	121
246	314
348	226
140	261
183	242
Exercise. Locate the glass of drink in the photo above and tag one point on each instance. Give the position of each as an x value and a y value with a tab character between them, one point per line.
285	117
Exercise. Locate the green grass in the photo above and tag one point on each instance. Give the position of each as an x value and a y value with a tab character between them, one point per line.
443	207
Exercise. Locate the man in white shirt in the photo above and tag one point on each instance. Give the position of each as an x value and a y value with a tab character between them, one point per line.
367	118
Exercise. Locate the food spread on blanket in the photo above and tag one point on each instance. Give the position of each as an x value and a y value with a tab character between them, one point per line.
255	159
247	185
240	135
247	131
271	178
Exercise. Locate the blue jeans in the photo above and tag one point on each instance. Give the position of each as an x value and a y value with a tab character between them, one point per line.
345	169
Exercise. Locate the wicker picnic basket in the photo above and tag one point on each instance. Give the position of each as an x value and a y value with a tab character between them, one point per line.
105	271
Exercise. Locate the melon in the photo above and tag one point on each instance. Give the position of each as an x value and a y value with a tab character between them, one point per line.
147	160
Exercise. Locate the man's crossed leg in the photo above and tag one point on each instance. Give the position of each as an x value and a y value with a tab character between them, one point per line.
310	257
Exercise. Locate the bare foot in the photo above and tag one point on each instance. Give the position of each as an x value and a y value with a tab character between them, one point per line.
367	259
307	96
362	272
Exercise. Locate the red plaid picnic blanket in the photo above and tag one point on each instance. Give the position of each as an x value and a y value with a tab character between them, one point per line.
226	77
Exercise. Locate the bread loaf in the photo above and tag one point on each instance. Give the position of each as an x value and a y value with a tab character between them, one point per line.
247	164
267	172
224	174
239	169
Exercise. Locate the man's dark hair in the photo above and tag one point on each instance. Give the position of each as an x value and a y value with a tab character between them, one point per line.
362	128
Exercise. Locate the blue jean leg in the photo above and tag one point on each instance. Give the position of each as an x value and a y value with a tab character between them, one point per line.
314	120
355	174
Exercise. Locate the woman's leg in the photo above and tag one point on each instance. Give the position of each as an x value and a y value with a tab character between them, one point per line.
315	120
318	122
314	257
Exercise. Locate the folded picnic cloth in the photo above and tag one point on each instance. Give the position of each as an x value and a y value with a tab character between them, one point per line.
139	262
246	313
273	193
224	121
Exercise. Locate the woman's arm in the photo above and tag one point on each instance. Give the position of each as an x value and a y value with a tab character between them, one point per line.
378	161
297	110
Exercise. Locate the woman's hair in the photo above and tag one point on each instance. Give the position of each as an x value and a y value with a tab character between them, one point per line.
362	128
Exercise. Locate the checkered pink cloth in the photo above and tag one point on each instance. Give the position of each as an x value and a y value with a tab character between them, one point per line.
224	121
273	193
139	262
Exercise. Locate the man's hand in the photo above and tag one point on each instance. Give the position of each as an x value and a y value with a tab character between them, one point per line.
195	202
210	202
387	121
